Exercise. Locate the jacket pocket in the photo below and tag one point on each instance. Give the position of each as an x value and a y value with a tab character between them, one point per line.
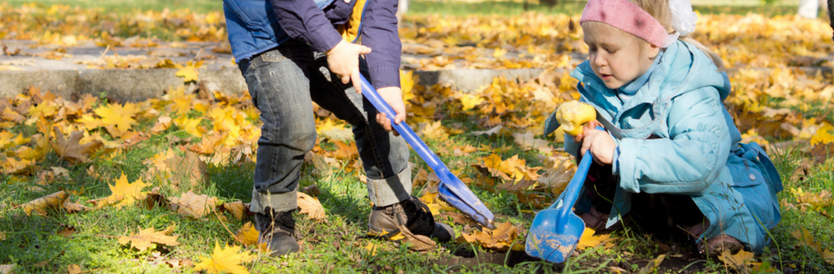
758	194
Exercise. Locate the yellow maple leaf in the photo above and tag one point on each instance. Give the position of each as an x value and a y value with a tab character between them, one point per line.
191	126
588	239
145	237
227	259
247	234
828	256
470	101
311	206
189	71
118	115
334	131
435	131
501	238
804	237
124	193
823	135
738	260
407	82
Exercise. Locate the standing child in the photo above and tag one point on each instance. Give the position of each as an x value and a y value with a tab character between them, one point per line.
295	52
670	157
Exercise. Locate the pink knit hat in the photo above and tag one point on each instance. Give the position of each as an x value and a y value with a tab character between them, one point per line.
627	17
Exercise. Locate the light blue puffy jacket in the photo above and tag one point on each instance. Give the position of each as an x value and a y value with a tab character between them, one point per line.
697	154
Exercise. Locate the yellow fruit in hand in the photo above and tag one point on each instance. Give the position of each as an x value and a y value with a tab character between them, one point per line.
572	115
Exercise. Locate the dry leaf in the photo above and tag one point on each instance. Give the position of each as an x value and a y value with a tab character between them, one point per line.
500	239
651	267
588	239
804	237
247	235
225	259
236	208
7	268
73	269
738	260
311	206
828	256
147	236
44	204
418	242
70	149
123	193
66	231
193	205
73	207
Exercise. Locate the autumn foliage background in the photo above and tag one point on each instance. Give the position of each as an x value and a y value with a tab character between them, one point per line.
99	185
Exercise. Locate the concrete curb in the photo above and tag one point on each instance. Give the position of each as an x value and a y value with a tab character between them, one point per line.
142	84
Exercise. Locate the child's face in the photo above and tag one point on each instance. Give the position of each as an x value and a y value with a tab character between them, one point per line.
617	57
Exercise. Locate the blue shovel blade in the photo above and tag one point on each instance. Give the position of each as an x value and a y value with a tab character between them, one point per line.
553	237
454	192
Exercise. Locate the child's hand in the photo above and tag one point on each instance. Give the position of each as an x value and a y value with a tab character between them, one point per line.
343	60
393	96
598	142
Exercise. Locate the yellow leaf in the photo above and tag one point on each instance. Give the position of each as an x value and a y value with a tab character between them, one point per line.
372	248
310	206
70	149
124	193
193	205
823	135
247	235
738	260
73	269
236	208
588	239
469	101
499	239
805	238
225	259
435	131
189	72
145	237
118	115
42	205
828	256
499	52
334	131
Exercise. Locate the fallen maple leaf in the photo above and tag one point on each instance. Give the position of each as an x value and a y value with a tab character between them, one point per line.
73	269
247	234
70	149
588	239
43	204
145	237
738	260
225	259
123	193
118	115
804	237
311	206
189	72
501	238
828	256
190	204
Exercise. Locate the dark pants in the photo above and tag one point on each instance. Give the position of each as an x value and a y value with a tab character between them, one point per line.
283	83
659	213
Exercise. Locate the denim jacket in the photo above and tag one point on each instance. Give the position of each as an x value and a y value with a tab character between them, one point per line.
256	26
698	152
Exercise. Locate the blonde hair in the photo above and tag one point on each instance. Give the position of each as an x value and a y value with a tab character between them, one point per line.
659	9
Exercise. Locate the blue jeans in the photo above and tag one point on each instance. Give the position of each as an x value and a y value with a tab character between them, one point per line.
283	83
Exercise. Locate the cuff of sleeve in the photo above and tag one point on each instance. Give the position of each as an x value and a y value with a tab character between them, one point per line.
614	165
385	76
627	164
324	39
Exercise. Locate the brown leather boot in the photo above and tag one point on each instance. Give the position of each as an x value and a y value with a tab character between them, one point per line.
414	214
276	229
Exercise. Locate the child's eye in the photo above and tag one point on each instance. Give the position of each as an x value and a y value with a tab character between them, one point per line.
610	50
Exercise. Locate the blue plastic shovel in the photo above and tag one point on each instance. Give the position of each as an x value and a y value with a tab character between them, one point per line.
451	189
556	230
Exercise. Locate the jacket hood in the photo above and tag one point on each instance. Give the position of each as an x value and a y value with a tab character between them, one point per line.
682	68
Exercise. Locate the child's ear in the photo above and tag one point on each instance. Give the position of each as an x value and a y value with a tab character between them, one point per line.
653	51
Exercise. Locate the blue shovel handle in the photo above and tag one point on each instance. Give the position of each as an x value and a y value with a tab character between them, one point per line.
569	196
451	188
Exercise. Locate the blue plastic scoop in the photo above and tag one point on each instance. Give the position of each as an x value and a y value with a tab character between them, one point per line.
450	189
556	230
